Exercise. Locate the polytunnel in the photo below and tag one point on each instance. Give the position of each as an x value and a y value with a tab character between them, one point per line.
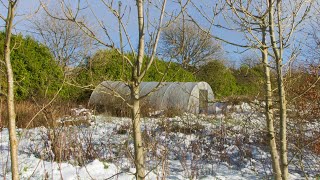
192	97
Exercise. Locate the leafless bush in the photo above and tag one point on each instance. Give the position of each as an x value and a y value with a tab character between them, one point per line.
185	127
72	144
114	109
304	113
173	112
123	128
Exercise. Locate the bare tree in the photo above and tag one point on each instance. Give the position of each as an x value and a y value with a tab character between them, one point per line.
313	43
188	44
66	41
254	24
11	6
244	20
139	61
251	60
269	27
280	36
269	111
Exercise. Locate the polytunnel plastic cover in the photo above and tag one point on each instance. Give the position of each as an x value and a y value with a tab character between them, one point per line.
180	95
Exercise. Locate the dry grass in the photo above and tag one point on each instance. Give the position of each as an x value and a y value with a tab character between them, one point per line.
181	127
26	114
118	108
173	112
237	100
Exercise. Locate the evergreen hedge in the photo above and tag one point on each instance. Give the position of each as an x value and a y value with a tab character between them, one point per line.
36	74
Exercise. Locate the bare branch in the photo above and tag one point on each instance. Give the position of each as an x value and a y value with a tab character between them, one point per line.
155	42
2	17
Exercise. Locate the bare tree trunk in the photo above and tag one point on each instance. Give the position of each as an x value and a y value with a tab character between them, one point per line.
141	36
282	98
1	102
138	143
1	98
135	97
269	109
283	122
281	91
10	96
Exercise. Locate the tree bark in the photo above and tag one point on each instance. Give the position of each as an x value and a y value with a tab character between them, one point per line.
282	99
281	91
10	96
138	143
283	122
269	109
141	35
135	96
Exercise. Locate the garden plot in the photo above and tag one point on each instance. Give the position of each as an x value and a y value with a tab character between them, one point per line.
229	145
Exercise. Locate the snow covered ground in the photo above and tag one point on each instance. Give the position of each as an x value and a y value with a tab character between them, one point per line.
229	145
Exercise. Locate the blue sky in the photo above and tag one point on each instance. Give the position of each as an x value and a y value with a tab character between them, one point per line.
27	9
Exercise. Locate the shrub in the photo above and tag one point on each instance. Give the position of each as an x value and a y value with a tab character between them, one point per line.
249	80
220	78
35	71
108	65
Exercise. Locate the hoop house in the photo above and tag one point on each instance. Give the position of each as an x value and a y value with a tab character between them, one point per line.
192	97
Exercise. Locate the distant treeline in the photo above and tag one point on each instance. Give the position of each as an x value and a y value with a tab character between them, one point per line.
38	75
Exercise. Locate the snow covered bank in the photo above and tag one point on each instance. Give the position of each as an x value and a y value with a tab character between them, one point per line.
225	146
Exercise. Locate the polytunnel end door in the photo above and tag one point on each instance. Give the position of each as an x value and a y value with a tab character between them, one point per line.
203	101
